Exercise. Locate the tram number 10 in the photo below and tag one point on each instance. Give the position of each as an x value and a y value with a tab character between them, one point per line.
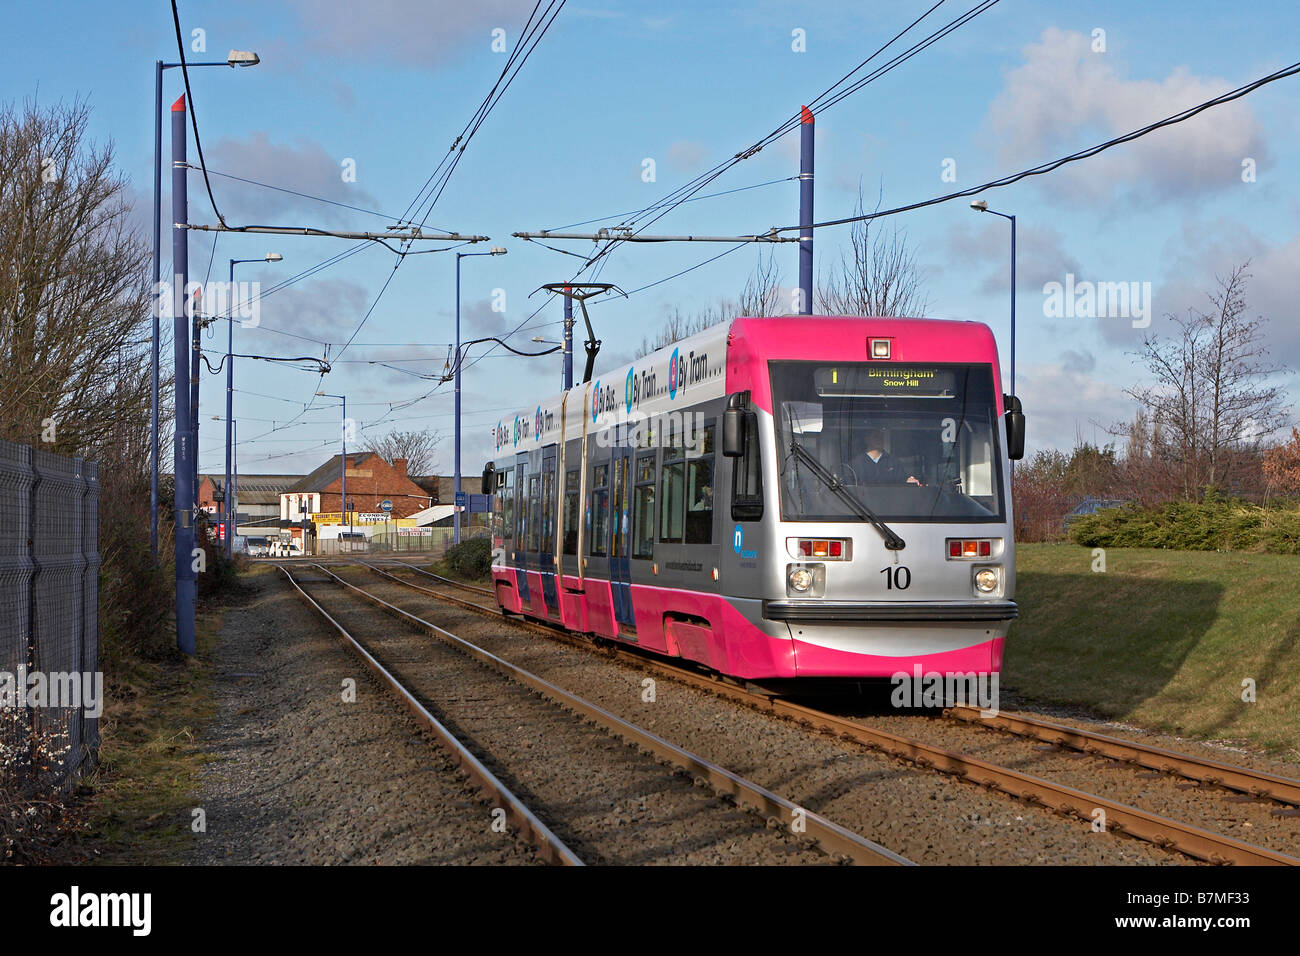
899	578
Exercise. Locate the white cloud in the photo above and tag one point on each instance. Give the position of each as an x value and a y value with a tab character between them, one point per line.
1041	255
687	155
415	33
1064	403
304	167
1065	97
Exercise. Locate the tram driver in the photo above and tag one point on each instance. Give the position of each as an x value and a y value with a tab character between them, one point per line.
879	467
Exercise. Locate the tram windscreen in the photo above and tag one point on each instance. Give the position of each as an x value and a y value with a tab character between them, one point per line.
911	443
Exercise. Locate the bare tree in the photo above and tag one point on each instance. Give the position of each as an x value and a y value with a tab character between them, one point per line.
761	296
1211	400
877	276
762	293
419	448
74	304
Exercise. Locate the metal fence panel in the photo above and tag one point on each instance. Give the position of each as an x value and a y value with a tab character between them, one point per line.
49	600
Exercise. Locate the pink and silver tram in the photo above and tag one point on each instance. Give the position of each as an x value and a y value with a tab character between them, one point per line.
773	498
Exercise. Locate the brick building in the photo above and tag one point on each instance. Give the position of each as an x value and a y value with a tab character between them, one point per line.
371	480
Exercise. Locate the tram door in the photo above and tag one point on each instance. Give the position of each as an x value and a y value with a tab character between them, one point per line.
620	576
519	556
546	516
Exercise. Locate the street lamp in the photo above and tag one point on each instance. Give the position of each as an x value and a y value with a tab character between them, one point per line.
235	58
494	251
979	205
230	381
343	459
542	340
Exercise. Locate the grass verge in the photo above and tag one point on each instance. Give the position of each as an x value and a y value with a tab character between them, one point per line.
1163	639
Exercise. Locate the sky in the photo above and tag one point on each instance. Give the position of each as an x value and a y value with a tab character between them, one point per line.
358	103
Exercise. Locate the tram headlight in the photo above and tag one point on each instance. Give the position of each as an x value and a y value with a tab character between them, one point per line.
986	580
805	580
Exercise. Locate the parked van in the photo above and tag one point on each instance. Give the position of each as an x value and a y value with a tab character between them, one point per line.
353	541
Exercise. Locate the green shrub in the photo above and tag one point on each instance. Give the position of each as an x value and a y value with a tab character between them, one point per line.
1211	525
470	559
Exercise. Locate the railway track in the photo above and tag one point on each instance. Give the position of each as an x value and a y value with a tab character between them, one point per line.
1197	842
497	713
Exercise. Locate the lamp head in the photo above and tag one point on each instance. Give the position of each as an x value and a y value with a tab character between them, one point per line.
273	257
497	251
243	58
979	205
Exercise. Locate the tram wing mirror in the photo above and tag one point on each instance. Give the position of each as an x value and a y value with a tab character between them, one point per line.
1015	417
734	424
489	479
733	432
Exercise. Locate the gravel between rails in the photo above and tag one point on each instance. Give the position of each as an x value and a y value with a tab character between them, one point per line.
1210	808
606	800
926	816
299	777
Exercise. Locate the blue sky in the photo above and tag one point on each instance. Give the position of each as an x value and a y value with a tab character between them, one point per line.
389	84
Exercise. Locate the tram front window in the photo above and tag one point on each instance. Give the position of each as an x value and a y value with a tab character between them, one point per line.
911	443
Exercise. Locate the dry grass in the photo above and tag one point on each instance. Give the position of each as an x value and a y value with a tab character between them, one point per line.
1163	639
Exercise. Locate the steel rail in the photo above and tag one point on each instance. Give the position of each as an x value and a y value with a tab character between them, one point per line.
1242	779
439	577
830	837
1142	824
536	832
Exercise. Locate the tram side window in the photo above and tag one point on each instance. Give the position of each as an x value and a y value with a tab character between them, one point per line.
507	506
672	492
747	477
534	512
599	525
548	511
643	508
571	512
521	506
699	488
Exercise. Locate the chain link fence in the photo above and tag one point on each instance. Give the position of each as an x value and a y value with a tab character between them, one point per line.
433	542
50	688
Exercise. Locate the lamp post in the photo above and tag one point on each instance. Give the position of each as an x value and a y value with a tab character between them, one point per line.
979	205
494	251
230	385
236	58
343	459
566	380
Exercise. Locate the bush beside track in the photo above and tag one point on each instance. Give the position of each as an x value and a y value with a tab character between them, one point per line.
1210	525
468	561
1163	639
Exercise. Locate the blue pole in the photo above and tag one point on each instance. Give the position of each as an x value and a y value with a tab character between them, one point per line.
568	340
183	465
234	480
1013	306
805	211
230	395
195	328
1012	465
345	467
157	306
455	535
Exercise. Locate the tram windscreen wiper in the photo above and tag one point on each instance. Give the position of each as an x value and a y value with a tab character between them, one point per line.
892	541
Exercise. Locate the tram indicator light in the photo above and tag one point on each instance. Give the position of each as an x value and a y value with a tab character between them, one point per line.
836	549
960	548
